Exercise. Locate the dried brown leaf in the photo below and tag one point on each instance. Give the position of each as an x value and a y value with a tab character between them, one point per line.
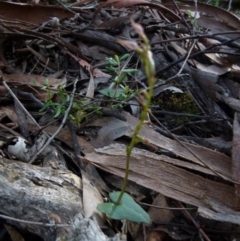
158	214
34	14
111	129
148	170
33	80
217	161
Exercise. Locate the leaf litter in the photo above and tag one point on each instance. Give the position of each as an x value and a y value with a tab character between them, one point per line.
189	154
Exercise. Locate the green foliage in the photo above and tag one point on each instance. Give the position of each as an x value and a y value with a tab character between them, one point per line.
178	102
78	111
120	92
215	2
191	16
58	108
123	207
127	209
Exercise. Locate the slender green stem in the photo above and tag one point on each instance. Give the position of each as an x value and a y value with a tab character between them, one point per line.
150	72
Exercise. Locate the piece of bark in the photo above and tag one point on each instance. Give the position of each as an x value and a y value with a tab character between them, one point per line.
218	162
151	171
39	195
85	229
48	196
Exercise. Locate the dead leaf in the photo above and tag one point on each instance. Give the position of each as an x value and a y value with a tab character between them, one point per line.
158	215
91	198
148	170
90	89
208	82
236	153
231	102
34	14
99	74
217	161
10	113
32	79
111	129
33	83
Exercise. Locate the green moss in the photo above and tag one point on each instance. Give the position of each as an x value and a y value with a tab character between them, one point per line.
180	103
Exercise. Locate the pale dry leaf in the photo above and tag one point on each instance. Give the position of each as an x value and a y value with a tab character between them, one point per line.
207	82
10	113
90	89
231	102
91	198
33	80
98	73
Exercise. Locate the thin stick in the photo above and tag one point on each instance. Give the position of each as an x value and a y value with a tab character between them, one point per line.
32	222
21	105
185	61
194	222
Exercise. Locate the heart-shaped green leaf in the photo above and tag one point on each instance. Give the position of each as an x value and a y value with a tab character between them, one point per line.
127	209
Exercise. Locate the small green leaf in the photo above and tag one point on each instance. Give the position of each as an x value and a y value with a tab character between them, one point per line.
111	61
124	57
58	111
117	59
112	93
99	112
46	105
130	71
127	209
35	82
108	92
121	78
111	69
47	82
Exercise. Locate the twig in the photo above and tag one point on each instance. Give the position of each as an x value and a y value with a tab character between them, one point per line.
164	112
185	61
33	223
218	36
76	147
229	5
184	20
21	105
183	58
194	222
68	9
